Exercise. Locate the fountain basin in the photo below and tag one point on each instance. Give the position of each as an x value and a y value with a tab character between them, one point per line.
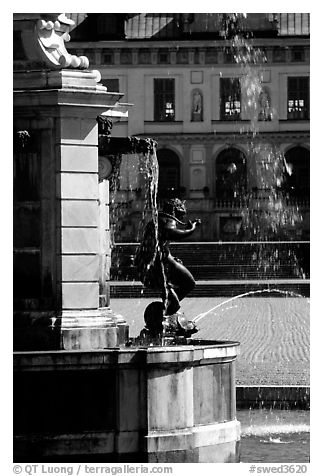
143	404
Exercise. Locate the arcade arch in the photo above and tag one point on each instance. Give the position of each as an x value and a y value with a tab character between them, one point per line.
297	181
169	172
230	174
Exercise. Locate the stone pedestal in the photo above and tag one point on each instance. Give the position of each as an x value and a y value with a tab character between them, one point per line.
60	242
86	330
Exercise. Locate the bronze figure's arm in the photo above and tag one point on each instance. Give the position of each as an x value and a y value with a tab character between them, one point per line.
170	231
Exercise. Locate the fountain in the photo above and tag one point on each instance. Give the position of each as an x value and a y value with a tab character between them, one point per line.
80	394
84	391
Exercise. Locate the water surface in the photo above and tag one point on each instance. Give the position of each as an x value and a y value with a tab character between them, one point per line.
275	436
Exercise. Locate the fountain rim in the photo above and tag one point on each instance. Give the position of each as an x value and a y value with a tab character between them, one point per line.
191	344
101	359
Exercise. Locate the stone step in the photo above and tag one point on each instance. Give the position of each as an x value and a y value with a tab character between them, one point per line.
297	287
218	272
227	260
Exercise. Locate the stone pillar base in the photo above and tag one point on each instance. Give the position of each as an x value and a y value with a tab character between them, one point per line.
70	330
92	329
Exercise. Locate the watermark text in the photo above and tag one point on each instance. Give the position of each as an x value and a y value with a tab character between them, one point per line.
279	469
82	469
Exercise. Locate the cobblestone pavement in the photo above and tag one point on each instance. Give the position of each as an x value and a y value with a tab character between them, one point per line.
274	333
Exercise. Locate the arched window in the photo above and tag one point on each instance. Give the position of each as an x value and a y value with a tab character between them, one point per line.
297	179
230	175
169	173
197	106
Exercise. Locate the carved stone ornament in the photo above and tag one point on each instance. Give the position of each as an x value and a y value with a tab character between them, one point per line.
52	35
39	42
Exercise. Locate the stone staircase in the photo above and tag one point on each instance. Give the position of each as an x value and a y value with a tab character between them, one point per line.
223	269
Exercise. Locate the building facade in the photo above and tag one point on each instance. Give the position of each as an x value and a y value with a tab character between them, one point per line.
185	83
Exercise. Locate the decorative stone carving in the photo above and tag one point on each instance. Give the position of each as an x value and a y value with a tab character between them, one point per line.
104	125
52	34
197	106
40	42
265	110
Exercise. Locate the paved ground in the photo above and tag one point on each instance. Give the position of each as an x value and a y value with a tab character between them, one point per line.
273	332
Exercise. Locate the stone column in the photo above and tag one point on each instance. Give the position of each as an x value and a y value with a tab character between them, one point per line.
81	231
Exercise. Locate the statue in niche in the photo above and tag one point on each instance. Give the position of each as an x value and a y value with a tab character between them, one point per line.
158	269
265	110
197	106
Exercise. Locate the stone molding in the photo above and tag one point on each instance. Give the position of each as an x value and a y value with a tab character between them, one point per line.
196	52
189	354
34	81
195	437
232	137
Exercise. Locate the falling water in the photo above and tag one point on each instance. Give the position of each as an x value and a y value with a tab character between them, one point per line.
266	215
137	173
148	167
135	176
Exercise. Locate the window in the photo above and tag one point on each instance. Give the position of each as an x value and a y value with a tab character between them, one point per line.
182	56
293	23
298	98
230	99
107	57
229	56
169	173
112	84
211	56
298	55
164	95
126	57
144	56
163	57
279	55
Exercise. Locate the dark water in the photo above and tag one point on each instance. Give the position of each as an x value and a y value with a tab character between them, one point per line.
275	436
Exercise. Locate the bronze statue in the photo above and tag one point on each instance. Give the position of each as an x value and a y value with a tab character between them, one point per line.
158	269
